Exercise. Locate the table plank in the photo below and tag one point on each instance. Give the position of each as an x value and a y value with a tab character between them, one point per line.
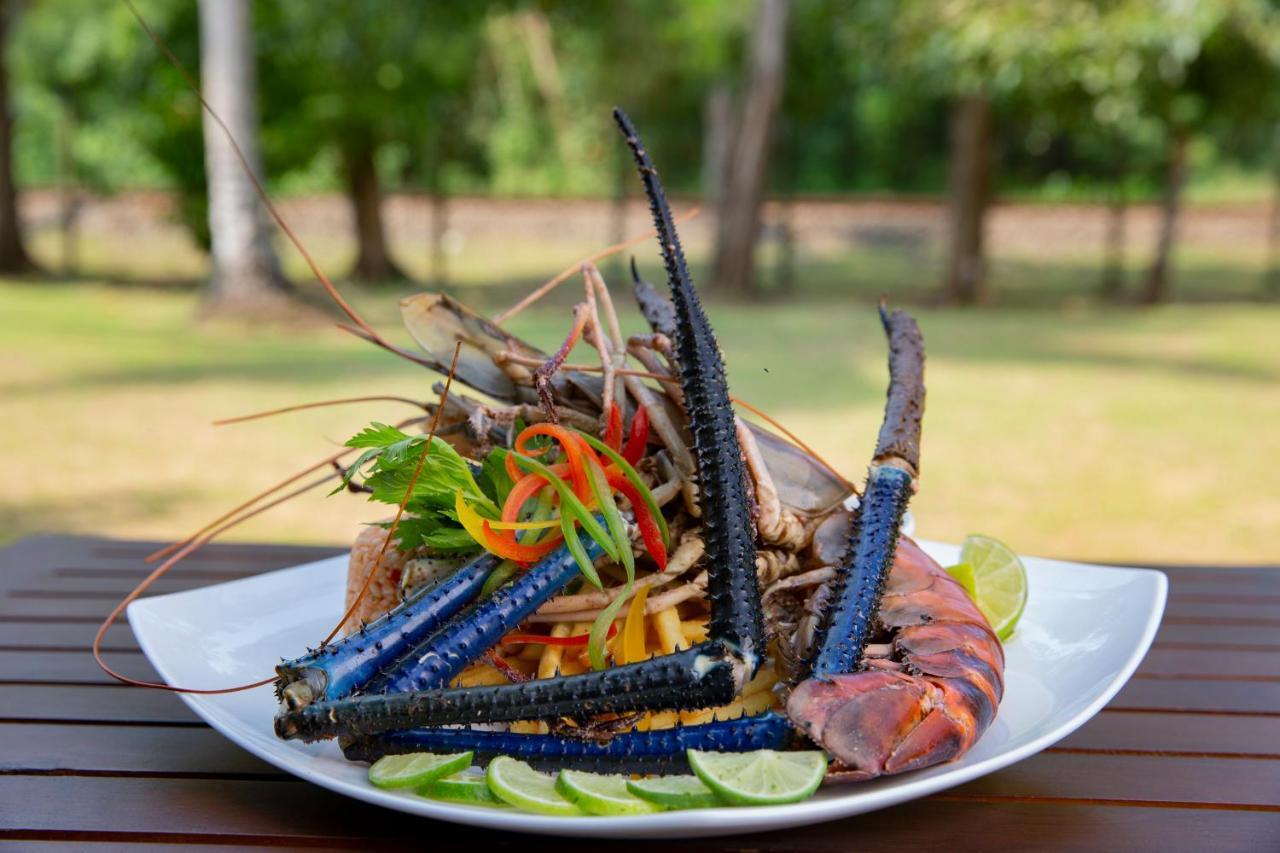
173	751
93	704
1209	734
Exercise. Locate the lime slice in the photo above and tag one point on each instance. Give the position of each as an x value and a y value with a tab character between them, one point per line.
675	792
963	573
518	784
599	794
761	778
1000	582
461	788
416	768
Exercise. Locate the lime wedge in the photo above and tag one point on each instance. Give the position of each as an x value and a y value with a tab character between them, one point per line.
599	794
416	768
761	778
1000	582
461	788
518	784
963	573
675	792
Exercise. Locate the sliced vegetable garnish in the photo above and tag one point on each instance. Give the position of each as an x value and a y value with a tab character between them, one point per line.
501	573
601	794
415	769
764	777
518	784
630	473
633	634
613	428
649	532
604	500
504	546
569	504
580	555
675	792
603	623
637	436
571	449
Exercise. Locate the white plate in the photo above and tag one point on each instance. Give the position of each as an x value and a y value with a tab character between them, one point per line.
1084	632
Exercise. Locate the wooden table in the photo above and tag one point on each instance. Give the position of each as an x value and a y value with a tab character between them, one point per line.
1187	757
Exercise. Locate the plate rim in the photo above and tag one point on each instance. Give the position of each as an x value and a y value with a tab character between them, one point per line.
673	824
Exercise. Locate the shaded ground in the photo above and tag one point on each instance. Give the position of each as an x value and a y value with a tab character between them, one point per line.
1083	432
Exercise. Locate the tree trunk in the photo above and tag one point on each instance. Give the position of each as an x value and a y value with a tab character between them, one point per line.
1156	289
969	195
373	261
739	214
1112	284
717	142
1271	279
438	274
246	275
13	254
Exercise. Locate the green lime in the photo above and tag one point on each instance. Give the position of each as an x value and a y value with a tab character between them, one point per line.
599	794
761	778
416	768
963	573
1000	582
518	784
461	788
675	792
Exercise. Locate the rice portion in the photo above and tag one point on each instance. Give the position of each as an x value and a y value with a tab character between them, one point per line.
384	590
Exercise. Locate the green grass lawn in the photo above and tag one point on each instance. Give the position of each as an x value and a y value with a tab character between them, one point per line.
1105	433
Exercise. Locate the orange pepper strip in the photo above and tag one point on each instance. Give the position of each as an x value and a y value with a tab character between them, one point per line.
572	447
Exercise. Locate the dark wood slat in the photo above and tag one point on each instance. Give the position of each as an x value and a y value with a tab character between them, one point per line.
264	812
1161	661
98	704
56	667
1182	632
63	635
153	749
1220	781
1189	733
1200	696
1181	608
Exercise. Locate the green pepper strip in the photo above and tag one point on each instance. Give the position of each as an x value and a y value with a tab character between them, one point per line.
609	509
600	627
630	474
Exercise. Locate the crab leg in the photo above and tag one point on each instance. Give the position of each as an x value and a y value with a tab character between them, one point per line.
342	667
658	751
706	675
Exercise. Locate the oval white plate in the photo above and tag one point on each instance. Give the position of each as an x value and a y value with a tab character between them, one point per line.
1084	632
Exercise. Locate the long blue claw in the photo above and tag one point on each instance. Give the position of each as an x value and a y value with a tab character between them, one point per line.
653	751
437	660
343	667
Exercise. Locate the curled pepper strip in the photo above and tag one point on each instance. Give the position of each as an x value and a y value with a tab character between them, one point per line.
571	448
650	534
646	497
637	437
503	546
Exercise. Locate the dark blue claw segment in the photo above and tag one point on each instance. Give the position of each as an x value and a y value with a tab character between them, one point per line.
652	752
700	677
344	666
728	529
463	639
874	541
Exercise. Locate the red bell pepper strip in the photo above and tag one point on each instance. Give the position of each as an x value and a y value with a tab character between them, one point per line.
545	640
613	427
649	532
637	437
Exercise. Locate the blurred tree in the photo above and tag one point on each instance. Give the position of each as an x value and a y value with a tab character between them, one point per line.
385	86
13	253
746	169
246	277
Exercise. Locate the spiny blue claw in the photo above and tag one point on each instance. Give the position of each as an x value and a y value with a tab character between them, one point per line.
703	676
652	752
437	660
343	667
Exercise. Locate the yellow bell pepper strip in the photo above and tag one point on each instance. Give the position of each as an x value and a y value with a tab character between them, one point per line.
503	546
633	634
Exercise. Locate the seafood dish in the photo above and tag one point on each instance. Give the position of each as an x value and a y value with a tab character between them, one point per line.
597	566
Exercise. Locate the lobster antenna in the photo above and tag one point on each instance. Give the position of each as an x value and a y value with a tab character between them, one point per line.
248	171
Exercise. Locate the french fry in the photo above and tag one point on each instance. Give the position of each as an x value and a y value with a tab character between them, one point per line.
765	678
479	675
670	631
694	630
552	654
662	720
529	727
747	706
